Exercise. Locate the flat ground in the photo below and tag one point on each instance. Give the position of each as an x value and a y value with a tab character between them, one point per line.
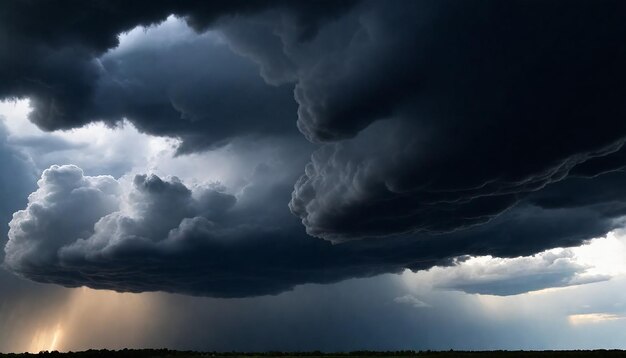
127	353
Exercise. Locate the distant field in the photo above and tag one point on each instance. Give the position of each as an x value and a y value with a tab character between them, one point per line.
181	354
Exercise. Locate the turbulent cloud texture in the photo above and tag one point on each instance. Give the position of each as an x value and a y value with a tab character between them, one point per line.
146	233
476	110
176	90
444	129
154	234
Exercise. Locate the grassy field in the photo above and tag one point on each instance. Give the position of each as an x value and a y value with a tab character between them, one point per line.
127	353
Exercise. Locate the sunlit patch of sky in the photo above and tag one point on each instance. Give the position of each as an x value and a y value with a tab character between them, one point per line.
102	150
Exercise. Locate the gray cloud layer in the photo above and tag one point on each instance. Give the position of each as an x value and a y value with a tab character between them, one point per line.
149	234
447	129
181	90
475	110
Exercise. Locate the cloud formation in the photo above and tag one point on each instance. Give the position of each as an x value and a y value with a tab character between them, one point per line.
504	277
405	68
178	89
152	234
444	129
193	88
145	233
474	110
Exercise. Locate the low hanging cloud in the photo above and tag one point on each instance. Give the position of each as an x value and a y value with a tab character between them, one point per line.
363	188
445	129
79	228
149	234
145	233
464	115
511	101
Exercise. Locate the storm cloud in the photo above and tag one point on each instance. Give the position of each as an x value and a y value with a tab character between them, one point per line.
474	110
443	129
57	64
154	234
146	233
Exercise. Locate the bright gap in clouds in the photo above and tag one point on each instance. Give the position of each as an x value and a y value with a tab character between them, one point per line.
121	150
605	256
96	148
601	259
593	318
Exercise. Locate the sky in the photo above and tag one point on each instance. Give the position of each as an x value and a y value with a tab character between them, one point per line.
331	175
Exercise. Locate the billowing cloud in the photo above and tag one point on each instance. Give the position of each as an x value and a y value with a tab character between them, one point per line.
36	232
465	114
170	81
58	65
154	234
145	233
353	64
445	129
193	88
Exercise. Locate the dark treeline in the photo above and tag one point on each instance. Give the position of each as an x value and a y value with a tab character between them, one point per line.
171	353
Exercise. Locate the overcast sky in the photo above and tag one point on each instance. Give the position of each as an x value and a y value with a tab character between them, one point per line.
341	175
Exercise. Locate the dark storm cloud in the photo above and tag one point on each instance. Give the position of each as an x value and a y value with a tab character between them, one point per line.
166	238
163	235
195	89
470	108
382	184
50	53
448	129
192	87
446	79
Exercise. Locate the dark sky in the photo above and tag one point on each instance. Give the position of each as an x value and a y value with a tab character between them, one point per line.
281	167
